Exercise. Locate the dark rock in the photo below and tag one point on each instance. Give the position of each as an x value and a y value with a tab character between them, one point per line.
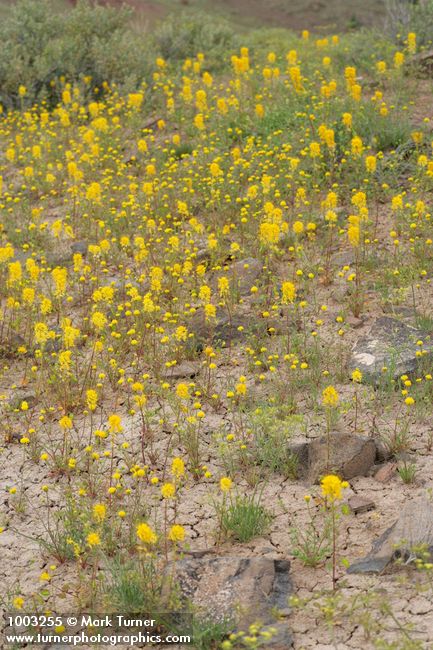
399	312
349	456
12	436
369	565
412	530
383	452
391	344
227	329
280	637
246	589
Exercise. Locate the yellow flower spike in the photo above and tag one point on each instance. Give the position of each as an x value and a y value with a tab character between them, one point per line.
332	487
176	533
99	512
177	467
18	602
226	484
146	534
330	397
115	423
168	490
93	539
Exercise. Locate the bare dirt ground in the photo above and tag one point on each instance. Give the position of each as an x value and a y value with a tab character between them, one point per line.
20	552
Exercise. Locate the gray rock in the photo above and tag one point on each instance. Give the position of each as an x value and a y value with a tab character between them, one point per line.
227	329
349	456
244	589
21	395
300	451
23	256
424	58
54	344
223	331
354	322
9	346
244	274
385	472
340	293
391	344
59	258
80	247
183	369
344	258
412	530
383	452
203	254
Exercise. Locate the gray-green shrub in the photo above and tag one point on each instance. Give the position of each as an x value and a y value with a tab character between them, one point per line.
180	37
405	16
41	44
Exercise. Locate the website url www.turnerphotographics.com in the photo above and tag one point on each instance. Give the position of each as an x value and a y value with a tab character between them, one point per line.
90	629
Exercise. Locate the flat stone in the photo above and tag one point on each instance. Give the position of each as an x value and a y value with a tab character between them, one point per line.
392	344
386	472
359	504
244	589
413	529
